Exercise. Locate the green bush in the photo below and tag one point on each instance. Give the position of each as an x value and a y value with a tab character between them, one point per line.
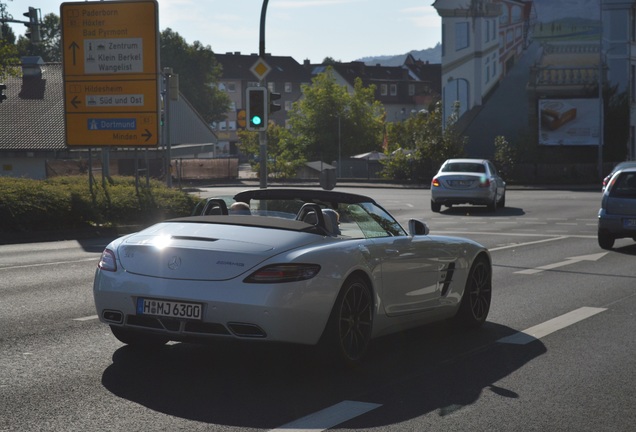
72	202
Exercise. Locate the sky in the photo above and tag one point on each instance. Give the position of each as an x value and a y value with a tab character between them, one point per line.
345	30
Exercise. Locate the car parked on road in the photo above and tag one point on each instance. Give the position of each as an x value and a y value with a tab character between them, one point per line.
617	216
310	267
468	181
618	167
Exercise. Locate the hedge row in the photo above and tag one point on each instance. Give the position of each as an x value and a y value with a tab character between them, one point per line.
72	202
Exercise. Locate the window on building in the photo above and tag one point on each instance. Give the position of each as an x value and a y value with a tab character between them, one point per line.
411	89
633	83
231	87
288	87
288	105
271	86
487	31
222	125
384	89
393	89
487	71
443	40
232	125
462	40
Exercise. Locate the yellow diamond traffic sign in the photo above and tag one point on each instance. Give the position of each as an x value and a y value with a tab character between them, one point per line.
260	69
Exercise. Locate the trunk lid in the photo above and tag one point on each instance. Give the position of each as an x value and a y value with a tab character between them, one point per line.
207	252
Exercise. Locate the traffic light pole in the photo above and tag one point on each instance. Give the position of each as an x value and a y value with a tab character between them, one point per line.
262	135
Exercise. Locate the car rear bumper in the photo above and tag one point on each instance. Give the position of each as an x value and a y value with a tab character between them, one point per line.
616	225
290	312
475	196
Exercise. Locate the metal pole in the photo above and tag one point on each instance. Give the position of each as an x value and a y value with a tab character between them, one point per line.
166	100
262	136
601	122
339	151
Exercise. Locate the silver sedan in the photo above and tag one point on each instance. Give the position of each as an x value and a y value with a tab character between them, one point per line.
468	181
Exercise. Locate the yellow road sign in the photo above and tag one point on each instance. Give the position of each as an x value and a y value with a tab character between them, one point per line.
111	73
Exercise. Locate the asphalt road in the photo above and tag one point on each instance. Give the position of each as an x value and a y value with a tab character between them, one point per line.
557	353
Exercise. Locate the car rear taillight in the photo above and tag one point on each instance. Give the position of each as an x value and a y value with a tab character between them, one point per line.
278	273
484	182
435	182
107	261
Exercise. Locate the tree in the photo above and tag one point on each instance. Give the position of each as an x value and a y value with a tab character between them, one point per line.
198	74
328	122
284	158
425	145
8	52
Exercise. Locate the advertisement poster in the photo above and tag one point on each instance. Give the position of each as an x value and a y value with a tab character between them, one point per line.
569	121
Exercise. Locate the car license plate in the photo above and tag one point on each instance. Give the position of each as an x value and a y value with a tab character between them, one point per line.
629	223
167	308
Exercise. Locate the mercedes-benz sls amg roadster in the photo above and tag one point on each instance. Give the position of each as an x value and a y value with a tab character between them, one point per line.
301	266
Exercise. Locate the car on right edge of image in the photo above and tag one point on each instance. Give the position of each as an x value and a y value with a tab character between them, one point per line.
618	167
617	216
468	181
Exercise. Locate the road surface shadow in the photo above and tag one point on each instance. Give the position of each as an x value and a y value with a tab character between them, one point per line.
265	386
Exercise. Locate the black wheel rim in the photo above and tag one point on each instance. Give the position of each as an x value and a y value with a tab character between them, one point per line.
355	321
480	291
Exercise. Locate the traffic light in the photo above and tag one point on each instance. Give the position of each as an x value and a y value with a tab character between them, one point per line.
257	108
273	107
3	87
34	25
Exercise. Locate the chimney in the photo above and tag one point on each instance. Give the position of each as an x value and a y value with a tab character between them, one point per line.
32	67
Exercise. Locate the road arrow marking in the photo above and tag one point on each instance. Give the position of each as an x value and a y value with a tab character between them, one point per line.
568	261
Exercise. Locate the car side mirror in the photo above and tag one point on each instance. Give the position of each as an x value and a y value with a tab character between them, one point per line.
417	227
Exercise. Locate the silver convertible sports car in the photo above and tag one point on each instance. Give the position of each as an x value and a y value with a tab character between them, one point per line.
301	266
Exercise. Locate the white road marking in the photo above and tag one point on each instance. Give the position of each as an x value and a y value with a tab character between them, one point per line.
568	261
49	263
544	329
86	318
527	243
329	417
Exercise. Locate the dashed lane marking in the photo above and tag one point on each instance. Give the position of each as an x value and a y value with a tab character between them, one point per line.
86	318
537	332
329	417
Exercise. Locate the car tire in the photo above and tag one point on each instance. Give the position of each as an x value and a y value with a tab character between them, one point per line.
502	201
605	240
348	333
493	205
475	303
137	338
435	207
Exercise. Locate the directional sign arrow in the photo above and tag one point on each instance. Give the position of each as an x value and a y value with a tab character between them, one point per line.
75	102
568	261
148	135
74	46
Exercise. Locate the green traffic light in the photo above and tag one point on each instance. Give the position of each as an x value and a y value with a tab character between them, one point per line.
256	120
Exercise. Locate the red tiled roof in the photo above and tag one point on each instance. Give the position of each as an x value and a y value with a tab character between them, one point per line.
32	116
